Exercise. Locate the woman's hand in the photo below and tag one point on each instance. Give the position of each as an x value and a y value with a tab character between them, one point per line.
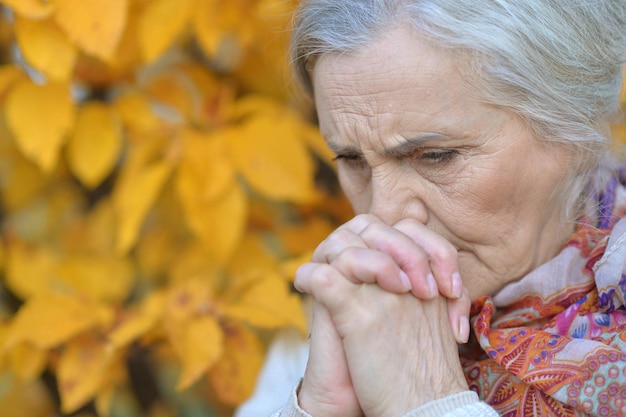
400	258
327	387
400	351
405	257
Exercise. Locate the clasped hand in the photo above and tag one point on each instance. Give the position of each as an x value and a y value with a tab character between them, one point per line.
388	309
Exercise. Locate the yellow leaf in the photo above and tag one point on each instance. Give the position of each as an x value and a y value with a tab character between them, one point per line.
138	321
96	26
304	237
268	304
30	399
132	199
270	154
234	376
136	112
33	9
82	368
27	361
623	97
253	255
199	343
30	270
100	277
220	28
40	118
45	47
160	23
9	75
94	146
205	171
50	319
221	223
190	298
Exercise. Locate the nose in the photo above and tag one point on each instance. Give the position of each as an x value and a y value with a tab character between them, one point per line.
396	198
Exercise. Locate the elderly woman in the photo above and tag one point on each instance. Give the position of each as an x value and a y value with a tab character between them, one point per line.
472	140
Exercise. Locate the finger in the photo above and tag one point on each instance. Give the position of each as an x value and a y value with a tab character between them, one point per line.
325	283
443	257
458	314
368	266
344	236
409	256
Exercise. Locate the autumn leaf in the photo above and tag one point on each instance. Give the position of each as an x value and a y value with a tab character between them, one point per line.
273	159
199	343
220	224
45	47
160	23
205	171
9	75
100	277
32	9
135	111
138	321
234	376
81	370
48	320
268	304
40	118
30	269
95	144
96	26
27	361
220	31
134	196
30	398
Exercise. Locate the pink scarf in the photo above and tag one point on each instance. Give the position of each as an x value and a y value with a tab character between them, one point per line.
554	343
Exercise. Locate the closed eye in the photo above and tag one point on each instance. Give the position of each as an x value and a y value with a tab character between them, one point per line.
439	156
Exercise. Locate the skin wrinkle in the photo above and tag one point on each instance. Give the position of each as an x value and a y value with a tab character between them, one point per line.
479	200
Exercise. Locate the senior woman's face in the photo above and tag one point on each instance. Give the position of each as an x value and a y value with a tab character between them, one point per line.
413	142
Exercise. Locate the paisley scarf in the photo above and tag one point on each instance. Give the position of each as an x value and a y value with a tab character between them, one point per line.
554	343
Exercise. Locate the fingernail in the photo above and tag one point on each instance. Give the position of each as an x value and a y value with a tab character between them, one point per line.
457	285
406	283
433	291
463	330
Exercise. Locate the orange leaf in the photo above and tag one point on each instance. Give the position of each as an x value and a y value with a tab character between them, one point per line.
160	23
221	223
234	376
199	343
48	320
132	199
96	26
95	144
270	153
269	304
33	9
82	368
45	47
40	118
30	270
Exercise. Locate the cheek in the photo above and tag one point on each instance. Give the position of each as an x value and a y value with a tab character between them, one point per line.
356	189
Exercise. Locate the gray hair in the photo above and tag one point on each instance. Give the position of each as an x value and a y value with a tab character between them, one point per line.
555	63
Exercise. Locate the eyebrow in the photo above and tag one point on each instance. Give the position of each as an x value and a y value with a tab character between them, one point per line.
402	150
408	147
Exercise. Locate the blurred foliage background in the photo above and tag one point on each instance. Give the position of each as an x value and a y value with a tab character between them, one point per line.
159	183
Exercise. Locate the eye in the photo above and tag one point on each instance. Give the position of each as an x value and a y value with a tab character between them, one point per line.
354	161
438	156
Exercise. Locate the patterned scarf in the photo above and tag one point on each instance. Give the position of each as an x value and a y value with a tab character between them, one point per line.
554	343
